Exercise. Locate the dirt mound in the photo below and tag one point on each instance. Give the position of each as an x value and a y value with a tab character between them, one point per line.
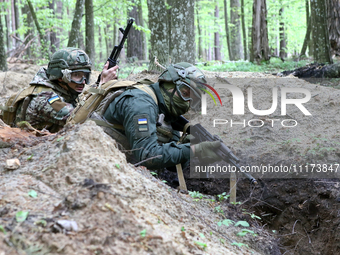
90	200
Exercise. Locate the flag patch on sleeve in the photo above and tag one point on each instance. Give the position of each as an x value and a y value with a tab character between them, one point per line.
53	99
142	121
141	124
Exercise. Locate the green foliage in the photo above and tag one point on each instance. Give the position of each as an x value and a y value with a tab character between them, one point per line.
226	222
274	66
30	157
153	173
21	216
242	223
117	165
41	222
223	196
201	235
252	215
203	245
239	244
60	138
2	229
182	229
195	194
244	232
235	203
218	209
143	233
33	193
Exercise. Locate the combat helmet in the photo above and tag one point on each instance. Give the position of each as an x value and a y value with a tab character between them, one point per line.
186	77
69	60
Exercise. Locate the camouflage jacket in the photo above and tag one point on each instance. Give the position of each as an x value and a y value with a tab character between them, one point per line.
49	107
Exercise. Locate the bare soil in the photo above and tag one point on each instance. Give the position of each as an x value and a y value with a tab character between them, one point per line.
112	207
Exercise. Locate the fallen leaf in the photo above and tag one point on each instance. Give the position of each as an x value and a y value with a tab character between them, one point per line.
33	193
21	216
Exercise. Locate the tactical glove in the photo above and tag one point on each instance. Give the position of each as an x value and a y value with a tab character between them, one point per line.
188	139
206	151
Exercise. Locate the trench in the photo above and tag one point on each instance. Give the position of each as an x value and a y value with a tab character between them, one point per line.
303	215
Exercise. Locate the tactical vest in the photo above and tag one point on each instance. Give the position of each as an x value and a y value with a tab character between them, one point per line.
24	96
95	102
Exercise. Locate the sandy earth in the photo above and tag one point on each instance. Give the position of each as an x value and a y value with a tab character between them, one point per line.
122	209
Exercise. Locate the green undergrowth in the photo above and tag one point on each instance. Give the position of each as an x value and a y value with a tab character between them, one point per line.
273	66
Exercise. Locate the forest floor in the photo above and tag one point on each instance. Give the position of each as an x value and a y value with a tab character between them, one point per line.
82	197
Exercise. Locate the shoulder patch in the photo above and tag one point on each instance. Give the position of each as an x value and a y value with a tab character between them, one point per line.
53	99
141	123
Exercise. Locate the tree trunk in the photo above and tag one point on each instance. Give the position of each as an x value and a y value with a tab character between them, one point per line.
244	31
29	34
172	32
283	43
307	38
100	44
3	57
40	31
7	22
76	24
53	34
334	26
309	21
320	32
199	31
217	36
81	44
59	16
260	47
235	31
135	40
159	38
16	23
89	34
106	32
182	35
141	23
115	34
226	22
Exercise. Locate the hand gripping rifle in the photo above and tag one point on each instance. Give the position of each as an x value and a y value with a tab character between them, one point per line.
201	135
113	58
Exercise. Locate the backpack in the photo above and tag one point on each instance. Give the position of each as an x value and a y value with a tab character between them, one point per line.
24	96
98	99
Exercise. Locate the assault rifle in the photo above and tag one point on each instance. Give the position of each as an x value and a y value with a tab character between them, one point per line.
113	58
201	135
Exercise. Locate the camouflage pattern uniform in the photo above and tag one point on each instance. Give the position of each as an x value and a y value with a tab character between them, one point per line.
50	108
50	104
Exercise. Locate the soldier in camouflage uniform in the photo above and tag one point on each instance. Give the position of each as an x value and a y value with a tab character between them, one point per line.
57	89
137	111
